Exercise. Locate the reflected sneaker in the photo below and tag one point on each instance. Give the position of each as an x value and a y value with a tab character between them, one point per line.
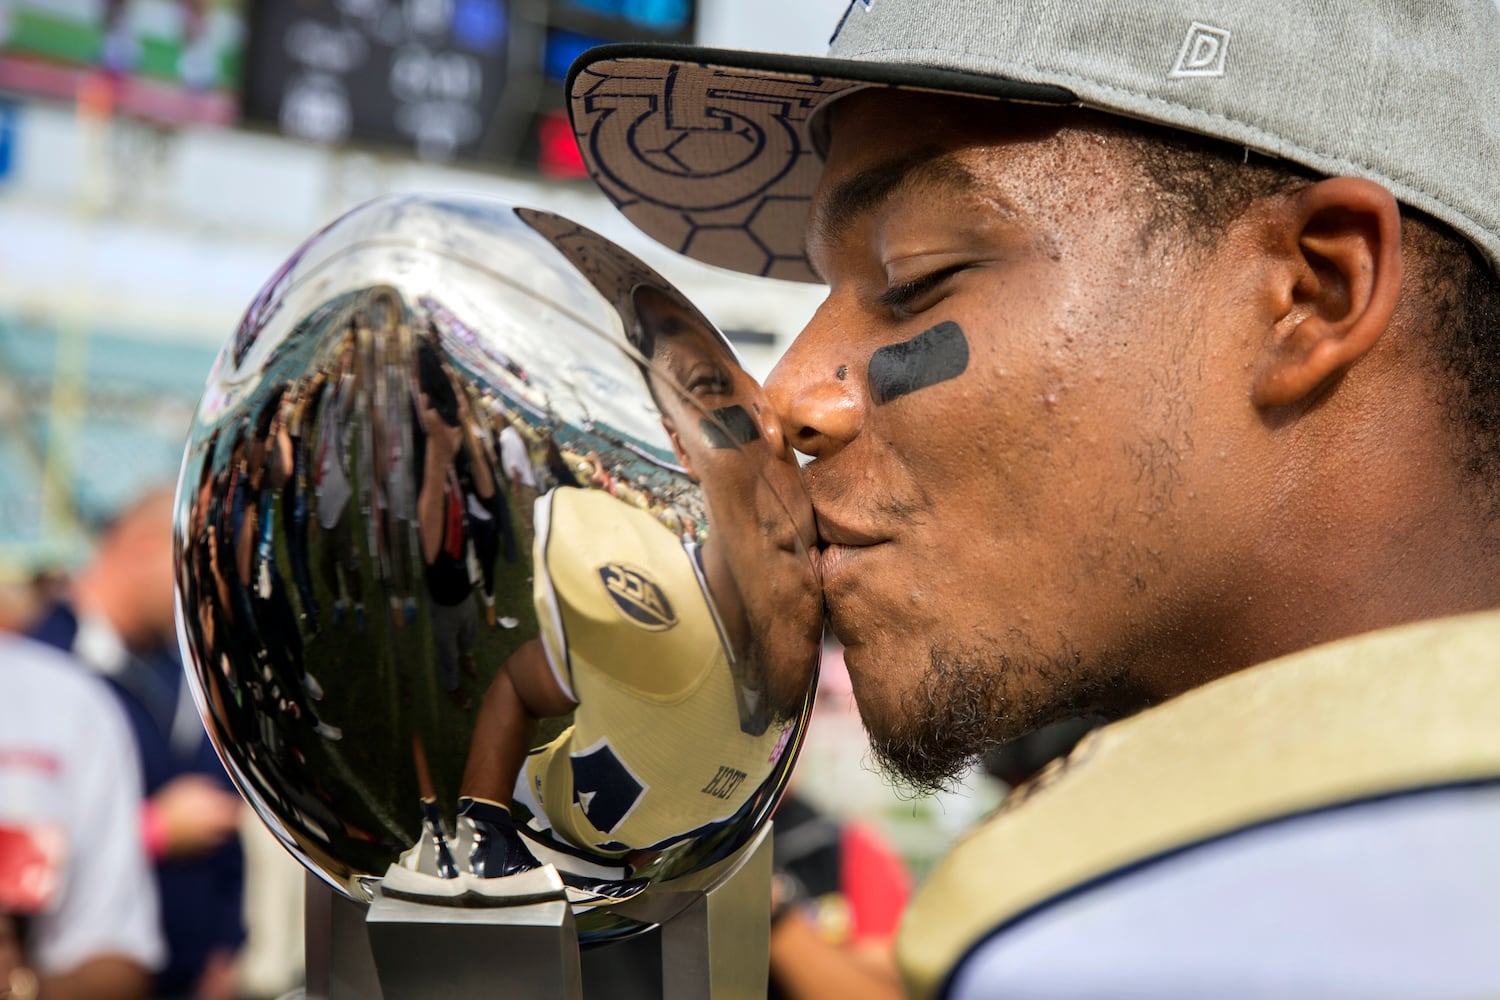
432	829
313	688
497	849
331	733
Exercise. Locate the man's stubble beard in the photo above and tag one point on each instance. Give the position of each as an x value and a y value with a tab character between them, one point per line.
971	701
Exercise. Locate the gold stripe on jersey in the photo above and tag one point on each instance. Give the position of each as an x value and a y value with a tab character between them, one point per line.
1391	711
650	674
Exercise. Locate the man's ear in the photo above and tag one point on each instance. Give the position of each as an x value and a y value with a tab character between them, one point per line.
683	458
1342	244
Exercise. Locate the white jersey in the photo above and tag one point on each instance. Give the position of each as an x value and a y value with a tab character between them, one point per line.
1323	825
69	778
1386	900
515	459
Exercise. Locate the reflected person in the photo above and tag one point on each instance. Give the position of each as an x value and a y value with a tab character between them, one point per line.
681	689
459	511
338	561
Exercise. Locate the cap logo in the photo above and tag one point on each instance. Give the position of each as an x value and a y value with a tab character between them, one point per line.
1203	52
638	597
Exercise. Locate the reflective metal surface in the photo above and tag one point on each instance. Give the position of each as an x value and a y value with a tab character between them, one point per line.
479	514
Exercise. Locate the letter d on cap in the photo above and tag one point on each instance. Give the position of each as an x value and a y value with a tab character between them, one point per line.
1203	52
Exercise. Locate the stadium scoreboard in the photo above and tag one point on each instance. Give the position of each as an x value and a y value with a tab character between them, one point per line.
476	80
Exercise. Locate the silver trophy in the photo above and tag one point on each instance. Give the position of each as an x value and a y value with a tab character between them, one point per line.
494	583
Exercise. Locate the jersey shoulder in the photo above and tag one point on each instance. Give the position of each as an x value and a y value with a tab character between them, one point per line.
1377	715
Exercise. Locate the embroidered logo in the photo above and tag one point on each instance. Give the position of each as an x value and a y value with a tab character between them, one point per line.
1203	52
637	596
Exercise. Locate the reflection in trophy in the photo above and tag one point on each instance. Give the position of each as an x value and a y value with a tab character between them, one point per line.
495	583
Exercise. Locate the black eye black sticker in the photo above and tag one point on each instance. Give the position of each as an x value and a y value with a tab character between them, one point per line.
932	356
730	427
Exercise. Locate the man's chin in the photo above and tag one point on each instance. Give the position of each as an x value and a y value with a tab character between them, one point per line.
929	735
914	737
914	768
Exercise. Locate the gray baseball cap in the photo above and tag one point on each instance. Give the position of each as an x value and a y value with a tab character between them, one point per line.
716	153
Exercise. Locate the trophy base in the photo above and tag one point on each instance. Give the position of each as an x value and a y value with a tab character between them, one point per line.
423	938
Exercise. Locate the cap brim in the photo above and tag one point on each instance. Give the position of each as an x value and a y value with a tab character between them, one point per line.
710	151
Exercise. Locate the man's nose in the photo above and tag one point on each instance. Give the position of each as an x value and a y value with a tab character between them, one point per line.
817	389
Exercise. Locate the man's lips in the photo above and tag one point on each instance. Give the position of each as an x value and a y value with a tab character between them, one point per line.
848	534
841	544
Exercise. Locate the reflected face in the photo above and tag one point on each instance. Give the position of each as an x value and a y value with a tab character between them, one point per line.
729	440
1003	407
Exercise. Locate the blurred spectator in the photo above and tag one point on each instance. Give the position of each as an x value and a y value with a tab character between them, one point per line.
23	601
118	621
837	896
17	606
557	466
515	457
78	911
273	962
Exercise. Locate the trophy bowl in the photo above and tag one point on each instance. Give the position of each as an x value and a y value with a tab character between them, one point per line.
490	556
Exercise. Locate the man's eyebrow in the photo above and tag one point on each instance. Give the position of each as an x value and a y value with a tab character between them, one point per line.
857	195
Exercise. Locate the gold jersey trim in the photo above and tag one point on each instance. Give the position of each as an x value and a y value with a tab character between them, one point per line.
1392	711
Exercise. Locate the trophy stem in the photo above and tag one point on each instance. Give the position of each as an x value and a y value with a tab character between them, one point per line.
715	936
719	946
404	947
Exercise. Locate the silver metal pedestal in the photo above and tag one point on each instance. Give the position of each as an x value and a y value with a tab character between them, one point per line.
423	938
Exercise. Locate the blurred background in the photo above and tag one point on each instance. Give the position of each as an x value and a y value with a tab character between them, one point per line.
159	159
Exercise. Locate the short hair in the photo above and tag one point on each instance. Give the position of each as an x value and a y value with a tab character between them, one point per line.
1199	185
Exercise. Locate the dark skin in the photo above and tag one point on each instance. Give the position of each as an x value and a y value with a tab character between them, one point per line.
522	692
108	977
101	977
443	445
1165	462
807	966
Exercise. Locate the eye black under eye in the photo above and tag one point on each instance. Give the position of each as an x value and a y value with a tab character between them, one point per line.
909	293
